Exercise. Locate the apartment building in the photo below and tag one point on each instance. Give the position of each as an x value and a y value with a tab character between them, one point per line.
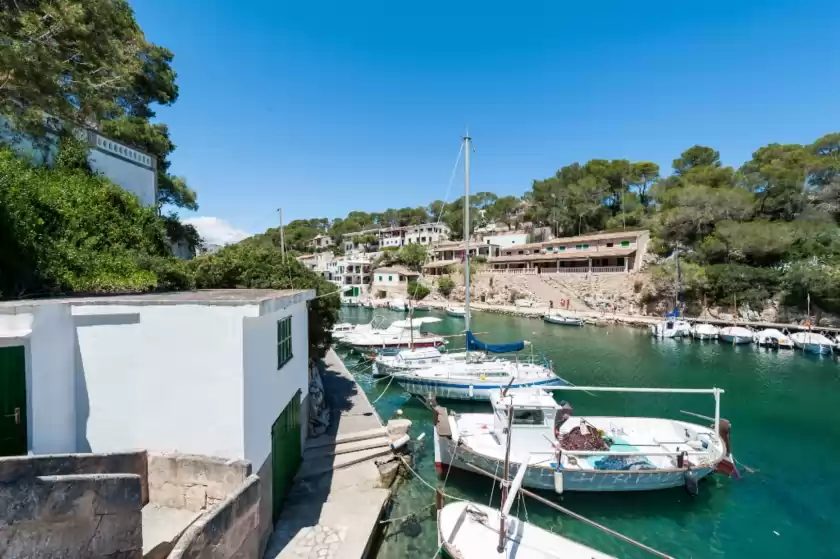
598	253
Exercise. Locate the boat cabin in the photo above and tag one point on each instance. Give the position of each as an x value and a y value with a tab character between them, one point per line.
534	413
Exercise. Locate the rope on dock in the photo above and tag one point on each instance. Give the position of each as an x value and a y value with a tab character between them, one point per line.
407	516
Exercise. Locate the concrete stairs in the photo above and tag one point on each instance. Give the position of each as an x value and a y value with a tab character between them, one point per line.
325	456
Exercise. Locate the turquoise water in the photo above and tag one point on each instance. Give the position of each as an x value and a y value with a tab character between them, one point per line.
785	414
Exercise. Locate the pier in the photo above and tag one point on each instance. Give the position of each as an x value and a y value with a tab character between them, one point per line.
339	497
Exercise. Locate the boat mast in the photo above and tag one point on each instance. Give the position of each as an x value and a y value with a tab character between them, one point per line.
506	482
467	230
467	240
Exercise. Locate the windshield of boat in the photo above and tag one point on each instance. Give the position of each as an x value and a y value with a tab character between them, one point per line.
528	417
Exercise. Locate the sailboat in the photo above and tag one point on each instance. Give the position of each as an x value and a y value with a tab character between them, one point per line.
673	326
812	342
456	311
468	530
469	379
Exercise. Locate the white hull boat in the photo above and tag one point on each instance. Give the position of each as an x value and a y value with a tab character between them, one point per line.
736	335
474	381
704	332
397	305
671	328
417	359
468	530
400	334
638	453
457	312
811	342
772	337
563	319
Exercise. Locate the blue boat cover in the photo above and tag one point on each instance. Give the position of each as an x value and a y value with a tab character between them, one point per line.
674	314
474	344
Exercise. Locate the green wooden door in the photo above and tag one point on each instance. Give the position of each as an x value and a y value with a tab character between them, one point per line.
285	453
12	401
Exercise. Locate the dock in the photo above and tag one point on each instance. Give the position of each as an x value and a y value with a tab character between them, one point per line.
337	500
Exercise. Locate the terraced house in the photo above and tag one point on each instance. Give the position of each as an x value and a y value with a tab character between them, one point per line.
599	253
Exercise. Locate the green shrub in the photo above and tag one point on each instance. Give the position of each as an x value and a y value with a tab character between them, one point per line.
445	285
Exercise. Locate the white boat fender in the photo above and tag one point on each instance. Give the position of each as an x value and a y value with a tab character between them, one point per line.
471	391
421	437
401	442
558	481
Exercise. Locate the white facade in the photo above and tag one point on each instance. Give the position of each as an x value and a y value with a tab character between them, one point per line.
427	234
320	241
129	168
502	241
192	372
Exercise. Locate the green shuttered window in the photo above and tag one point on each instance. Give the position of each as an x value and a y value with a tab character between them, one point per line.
284	341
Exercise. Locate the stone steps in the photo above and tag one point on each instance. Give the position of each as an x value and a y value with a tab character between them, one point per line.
347	438
347	447
320	465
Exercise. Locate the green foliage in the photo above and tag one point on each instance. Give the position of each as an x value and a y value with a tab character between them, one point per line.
256	267
445	285
63	230
412	256
417	290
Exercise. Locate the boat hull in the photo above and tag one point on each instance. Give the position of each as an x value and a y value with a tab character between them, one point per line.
478	391
735	339
703	337
542	476
456	314
363	348
817	349
563	321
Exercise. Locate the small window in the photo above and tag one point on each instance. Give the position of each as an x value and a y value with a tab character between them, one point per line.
390	278
625	243
284	341
561	248
528	417
609	245
550	249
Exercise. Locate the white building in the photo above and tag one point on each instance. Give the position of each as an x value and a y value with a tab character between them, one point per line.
132	169
318	262
392	281
428	234
320	242
506	240
221	373
352	274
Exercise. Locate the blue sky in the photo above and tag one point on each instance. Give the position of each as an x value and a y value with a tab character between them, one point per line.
325	107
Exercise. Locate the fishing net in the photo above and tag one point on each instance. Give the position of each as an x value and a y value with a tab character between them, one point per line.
589	440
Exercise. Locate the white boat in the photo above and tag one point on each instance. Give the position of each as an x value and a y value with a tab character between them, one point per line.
635	453
563	319
457	312
671	328
397	305
704	332
468	530
416	359
469	380
342	330
771	337
736	335
812	342
400	334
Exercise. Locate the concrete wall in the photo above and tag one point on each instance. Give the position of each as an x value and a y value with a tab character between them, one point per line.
160	377
61	506
513	239
193	482
229	531
137	179
46	333
267	389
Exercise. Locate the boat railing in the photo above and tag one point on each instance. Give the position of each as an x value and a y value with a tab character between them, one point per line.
716	392
635	453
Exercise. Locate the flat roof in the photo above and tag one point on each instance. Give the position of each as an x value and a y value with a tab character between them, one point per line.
563	255
222	297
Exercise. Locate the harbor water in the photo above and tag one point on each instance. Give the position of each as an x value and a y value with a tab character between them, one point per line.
784	407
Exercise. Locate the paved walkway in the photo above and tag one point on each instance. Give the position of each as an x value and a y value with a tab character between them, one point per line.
334	515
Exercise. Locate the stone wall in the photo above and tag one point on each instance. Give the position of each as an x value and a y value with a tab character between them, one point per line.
228	531
192	482
65	506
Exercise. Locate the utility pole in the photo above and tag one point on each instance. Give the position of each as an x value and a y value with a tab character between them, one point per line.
282	237
623	213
